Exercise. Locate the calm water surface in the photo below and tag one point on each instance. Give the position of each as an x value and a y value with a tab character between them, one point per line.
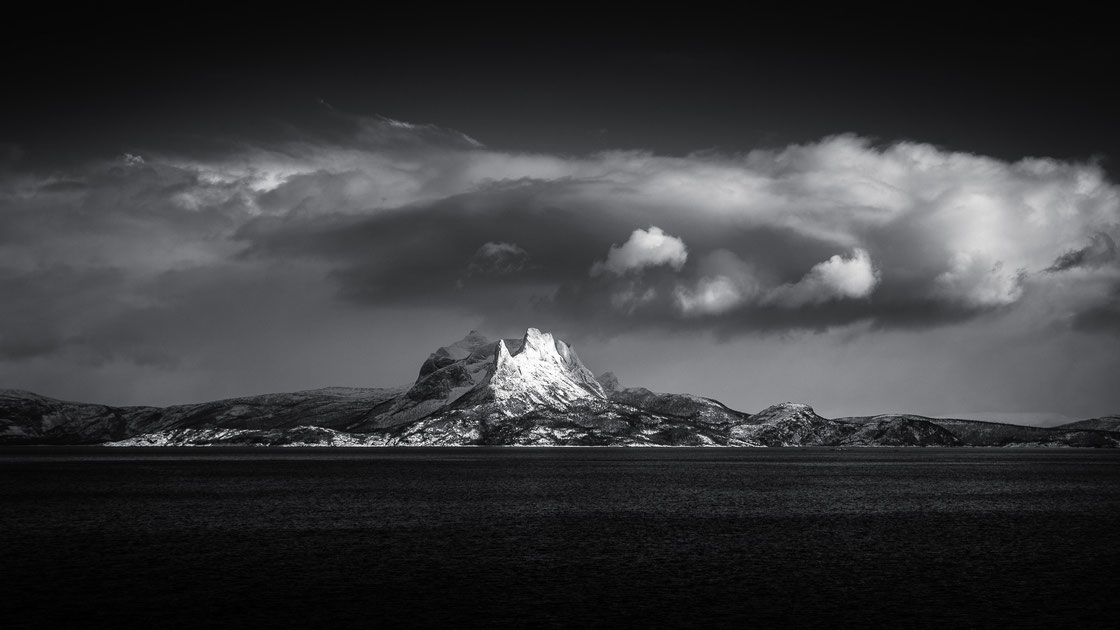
559	537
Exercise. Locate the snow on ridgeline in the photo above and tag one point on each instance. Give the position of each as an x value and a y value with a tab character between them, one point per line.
542	371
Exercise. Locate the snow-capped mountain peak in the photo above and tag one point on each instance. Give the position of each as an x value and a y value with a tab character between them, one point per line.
541	370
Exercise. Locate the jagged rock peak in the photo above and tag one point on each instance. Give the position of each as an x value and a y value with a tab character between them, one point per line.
543	346
542	370
451	353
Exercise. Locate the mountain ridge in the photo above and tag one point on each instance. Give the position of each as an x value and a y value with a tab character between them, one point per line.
527	391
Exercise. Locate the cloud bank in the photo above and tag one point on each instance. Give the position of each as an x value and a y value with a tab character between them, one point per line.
140	256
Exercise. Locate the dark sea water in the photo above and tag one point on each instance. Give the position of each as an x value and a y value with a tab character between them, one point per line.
486	537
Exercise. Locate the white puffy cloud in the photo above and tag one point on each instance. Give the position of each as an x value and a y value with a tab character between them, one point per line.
834	279
730	283
644	248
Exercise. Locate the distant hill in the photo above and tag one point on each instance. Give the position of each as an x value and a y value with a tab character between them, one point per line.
979	433
1106	423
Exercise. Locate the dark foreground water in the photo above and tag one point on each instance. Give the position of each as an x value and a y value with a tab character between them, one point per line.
273	538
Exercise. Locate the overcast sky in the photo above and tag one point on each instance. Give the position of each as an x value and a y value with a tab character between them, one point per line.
863	217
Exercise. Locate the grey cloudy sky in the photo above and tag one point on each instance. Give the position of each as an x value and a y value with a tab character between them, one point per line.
163	245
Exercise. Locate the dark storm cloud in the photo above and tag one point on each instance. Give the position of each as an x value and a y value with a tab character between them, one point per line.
811	236
391	214
419	253
84	253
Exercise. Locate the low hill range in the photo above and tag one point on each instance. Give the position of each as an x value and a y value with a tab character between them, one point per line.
528	391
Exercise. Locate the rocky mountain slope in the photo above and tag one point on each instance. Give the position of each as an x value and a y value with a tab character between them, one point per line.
530	391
